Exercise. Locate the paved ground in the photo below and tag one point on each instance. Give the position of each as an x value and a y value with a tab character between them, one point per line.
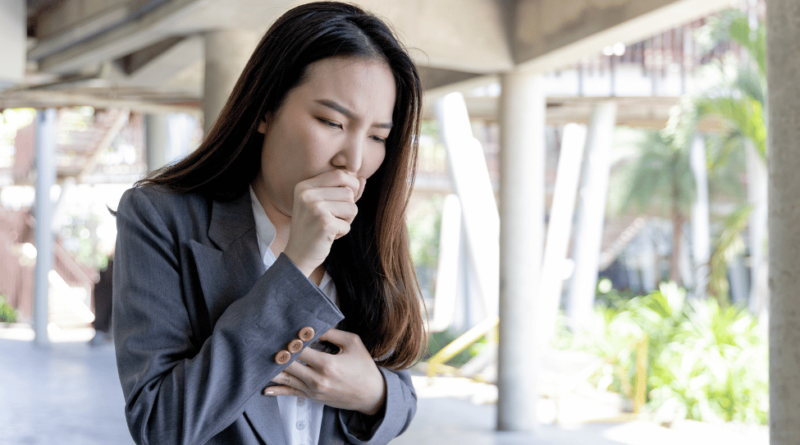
69	394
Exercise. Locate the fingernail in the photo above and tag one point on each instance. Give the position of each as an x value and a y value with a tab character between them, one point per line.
268	392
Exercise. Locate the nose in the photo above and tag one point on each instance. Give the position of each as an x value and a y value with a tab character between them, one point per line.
350	155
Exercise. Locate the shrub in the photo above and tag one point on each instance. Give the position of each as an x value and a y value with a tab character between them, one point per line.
7	313
705	362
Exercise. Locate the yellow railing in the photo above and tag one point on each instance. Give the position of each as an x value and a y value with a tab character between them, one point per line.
437	361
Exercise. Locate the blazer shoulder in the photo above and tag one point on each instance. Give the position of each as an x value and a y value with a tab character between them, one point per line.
173	209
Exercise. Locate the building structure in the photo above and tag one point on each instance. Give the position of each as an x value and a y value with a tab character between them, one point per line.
160	56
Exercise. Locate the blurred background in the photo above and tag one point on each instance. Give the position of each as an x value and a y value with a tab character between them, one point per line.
605	160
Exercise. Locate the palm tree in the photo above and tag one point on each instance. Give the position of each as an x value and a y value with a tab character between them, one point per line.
661	177
739	103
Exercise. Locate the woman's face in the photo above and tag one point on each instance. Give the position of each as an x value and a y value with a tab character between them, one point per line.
338	118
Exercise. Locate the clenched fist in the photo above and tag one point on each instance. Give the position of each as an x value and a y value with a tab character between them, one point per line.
323	209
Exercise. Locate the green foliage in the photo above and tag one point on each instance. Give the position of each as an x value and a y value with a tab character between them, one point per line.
739	102
705	362
729	244
660	177
7	313
424	223
740	98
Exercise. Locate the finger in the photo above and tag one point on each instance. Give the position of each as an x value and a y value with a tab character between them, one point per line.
292	381
345	211
312	194
284	391
304	372
335	178
338	337
316	360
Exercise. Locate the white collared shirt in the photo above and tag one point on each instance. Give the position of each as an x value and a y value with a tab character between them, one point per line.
301	418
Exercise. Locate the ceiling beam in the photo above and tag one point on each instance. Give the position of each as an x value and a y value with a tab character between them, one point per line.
551	34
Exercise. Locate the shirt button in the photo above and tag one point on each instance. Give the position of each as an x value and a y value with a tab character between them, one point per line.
301	401
301	425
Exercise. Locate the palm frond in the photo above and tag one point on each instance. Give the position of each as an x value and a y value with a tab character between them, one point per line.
729	244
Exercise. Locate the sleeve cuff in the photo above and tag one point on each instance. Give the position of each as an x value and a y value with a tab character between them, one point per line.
384	426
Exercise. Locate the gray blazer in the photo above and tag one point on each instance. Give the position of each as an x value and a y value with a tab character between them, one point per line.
197	324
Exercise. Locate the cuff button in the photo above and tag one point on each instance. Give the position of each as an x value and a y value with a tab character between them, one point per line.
295	346
283	357
306	334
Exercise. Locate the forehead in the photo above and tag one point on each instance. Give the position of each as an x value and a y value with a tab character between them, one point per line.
365	86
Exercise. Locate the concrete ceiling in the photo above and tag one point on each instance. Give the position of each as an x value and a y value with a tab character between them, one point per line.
155	46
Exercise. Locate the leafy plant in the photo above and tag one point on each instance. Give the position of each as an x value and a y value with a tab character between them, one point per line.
704	361
7	313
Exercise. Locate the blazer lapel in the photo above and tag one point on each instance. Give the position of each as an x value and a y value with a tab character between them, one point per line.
228	270
265	417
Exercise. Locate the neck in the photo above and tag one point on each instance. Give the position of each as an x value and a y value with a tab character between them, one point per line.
282	223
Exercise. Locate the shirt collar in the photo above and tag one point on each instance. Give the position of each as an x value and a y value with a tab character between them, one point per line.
264	227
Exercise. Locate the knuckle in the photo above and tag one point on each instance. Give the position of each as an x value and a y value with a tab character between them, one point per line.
323	385
319	211
304	195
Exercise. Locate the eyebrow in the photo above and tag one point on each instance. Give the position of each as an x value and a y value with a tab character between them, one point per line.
347	113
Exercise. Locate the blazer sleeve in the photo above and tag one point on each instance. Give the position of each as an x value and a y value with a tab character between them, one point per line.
397	413
176	391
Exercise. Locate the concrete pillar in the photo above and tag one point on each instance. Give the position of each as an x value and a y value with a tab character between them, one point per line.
701	232
13	23
522	120
43	212
157	140
559	228
591	214
783	66
226	52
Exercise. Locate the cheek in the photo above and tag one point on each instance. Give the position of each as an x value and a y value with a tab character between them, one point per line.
373	161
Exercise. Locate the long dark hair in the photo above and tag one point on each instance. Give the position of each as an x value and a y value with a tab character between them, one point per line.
371	266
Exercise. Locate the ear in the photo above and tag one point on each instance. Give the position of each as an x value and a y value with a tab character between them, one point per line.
262	126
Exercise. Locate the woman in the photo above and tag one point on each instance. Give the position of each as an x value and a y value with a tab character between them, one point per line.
231	263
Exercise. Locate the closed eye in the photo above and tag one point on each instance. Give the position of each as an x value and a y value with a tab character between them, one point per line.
330	123
378	139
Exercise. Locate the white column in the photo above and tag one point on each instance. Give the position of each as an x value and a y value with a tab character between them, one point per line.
701	233
444	302
522	118
43	212
757	197
226	52
559	228
13	24
157	139
591	214
473	186
783	64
